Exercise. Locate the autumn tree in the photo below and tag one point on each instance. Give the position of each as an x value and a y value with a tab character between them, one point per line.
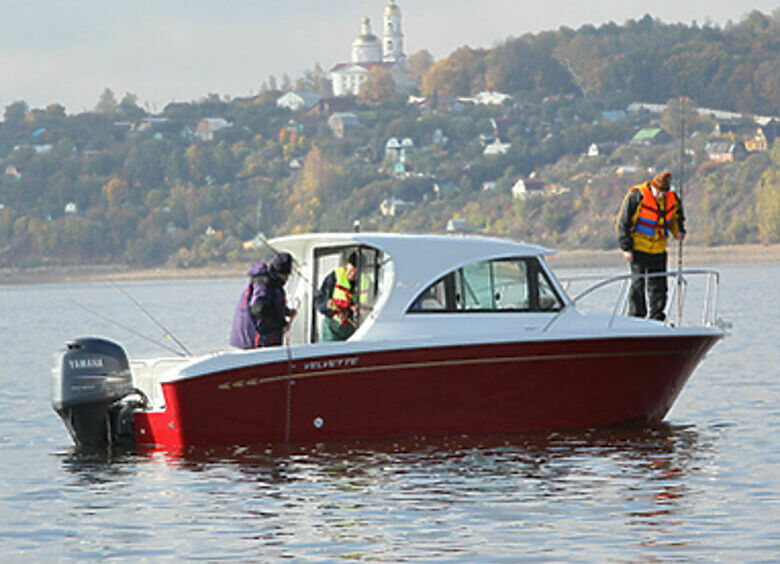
460	74
768	201
418	64
378	87
115	191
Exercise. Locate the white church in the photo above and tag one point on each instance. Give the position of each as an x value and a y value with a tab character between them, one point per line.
369	51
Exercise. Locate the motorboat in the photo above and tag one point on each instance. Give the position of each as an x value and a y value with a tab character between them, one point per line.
455	334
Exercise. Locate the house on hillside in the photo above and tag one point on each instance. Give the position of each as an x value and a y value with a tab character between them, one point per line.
613	115
393	206
600	149
298	100
207	127
437	103
650	136
486	98
722	151
457	225
528	187
758	143
438	137
342	124
399	148
731	128
328	106
496	148
445	189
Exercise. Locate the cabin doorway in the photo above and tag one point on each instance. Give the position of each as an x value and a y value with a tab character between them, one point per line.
368	280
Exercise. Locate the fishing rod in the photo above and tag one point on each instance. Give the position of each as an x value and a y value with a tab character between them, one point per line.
169	334
128	329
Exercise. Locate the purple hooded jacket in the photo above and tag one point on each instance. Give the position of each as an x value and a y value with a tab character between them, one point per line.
260	316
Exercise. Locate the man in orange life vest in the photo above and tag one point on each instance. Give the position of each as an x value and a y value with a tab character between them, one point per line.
336	301
650	211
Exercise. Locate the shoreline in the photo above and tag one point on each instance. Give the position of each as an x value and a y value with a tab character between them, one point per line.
579	258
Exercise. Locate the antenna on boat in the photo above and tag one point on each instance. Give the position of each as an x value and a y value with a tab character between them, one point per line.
168	334
128	329
680	243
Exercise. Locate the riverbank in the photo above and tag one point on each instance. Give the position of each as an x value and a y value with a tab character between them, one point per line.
693	257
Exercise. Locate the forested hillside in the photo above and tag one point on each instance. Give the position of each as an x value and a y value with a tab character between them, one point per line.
188	185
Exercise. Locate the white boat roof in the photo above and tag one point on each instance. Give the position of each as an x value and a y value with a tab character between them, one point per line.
418	258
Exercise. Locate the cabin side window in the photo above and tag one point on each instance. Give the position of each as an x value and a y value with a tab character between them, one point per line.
508	285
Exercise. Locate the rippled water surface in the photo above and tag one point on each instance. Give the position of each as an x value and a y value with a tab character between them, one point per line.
703	486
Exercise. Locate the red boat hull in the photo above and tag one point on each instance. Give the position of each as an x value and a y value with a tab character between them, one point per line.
567	384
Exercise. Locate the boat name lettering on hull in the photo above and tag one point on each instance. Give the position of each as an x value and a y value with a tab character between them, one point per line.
331	363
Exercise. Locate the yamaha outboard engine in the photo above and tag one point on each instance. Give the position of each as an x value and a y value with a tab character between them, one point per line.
88	390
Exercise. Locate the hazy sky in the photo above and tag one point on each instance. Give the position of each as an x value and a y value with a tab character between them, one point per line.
68	51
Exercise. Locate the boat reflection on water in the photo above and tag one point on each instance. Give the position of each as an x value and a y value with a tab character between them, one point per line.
660	453
629	486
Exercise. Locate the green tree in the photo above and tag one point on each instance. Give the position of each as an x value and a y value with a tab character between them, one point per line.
106	103
129	108
16	112
55	112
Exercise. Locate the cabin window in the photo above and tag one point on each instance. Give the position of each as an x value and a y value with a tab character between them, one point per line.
510	285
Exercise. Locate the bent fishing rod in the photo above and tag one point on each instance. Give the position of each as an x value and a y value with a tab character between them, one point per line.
168	333
128	329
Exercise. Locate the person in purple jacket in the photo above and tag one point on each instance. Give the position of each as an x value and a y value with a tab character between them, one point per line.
262	315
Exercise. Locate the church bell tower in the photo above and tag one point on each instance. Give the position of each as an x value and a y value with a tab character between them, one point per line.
393	38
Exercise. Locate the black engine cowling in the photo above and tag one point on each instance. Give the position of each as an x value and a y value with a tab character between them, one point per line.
88	390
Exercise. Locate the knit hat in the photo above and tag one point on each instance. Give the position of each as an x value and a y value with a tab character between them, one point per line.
282	263
662	181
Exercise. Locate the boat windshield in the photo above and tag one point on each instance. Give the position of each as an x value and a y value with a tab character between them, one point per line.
508	284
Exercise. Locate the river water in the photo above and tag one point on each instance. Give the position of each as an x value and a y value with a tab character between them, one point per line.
702	486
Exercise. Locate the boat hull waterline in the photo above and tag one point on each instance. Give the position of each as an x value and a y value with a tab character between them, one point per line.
480	388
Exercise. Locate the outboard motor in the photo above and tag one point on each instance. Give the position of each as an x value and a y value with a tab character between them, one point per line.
89	391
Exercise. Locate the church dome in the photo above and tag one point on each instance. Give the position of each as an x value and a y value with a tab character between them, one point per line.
365	39
366	48
392	7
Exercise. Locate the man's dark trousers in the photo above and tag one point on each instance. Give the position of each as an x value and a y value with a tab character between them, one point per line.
646	263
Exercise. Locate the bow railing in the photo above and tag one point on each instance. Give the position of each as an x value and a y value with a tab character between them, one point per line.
679	286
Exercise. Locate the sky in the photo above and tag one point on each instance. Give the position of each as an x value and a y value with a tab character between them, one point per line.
68	52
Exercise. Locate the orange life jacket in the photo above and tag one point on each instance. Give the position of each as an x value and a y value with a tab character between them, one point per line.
651	224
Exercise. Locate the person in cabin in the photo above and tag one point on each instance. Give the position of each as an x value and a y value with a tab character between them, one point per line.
650	211
262	315
336	301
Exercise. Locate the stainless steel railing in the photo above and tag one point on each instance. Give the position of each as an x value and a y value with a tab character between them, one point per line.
675	304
